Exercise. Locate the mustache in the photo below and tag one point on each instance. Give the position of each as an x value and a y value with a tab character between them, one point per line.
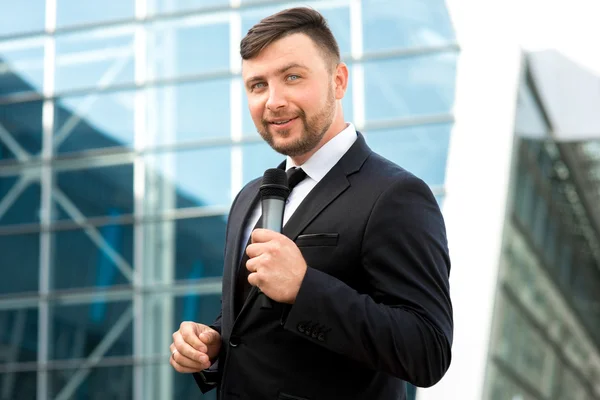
272	116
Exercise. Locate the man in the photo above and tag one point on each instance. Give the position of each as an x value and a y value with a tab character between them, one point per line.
357	280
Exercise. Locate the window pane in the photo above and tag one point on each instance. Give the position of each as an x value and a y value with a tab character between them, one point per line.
23	123
188	112
19	385
199	245
390	24
21	16
409	86
92	258
113	382
77	330
183	385
19	201
21	65
20	255
422	150
183	47
190	178
94	121
258	157
75	12
99	58
95	192
169	6
193	307
18	336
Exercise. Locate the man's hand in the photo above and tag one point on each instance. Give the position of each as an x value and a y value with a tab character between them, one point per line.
276	265
194	347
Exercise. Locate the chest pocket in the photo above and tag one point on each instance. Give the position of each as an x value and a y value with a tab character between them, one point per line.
317	240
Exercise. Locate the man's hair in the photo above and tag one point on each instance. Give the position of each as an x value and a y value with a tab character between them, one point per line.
287	22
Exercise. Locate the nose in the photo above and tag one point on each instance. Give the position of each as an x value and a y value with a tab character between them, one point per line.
276	99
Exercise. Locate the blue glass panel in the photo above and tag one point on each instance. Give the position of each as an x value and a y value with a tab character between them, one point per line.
201	177
169	6
187	47
25	208
248	127
75	12
258	157
21	65
22	16
409	86
95	191
94	121
23	122
421	150
24	385
114	382
188	112
391	24
103	57
81	260
21	257
78	329
19	335
199	247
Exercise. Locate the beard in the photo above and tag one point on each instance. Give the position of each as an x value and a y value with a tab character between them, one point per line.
313	130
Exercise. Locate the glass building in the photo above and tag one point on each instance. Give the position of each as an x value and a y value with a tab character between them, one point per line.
124	136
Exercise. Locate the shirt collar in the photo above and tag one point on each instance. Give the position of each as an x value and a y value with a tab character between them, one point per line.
319	164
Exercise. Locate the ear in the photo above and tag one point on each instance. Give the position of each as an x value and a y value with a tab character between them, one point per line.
340	80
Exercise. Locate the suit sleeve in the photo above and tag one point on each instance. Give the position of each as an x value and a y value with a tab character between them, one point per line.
403	326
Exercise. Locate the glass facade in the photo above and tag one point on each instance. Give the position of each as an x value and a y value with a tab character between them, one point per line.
546	331
124	136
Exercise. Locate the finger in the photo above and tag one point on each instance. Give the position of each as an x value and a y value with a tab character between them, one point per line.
255	249
180	368
185	351
264	235
190	336
252	265
254	279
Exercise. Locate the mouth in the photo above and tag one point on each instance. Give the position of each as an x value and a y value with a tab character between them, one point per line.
282	123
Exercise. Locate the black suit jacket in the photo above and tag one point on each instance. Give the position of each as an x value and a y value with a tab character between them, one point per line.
374	308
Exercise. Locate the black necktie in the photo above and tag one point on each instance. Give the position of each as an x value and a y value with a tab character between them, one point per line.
295	176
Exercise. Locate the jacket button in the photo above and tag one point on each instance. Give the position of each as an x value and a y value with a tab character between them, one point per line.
321	337
234	341
301	328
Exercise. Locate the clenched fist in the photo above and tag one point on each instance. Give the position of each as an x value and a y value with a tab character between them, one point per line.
194	348
276	265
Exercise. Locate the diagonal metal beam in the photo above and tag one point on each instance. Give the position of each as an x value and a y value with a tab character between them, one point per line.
13	194
89	101
13	145
111	337
93	233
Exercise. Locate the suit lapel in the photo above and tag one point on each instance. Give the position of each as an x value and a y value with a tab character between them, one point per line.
333	184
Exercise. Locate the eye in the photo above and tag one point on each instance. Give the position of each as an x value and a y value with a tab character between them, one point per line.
293	77
258	85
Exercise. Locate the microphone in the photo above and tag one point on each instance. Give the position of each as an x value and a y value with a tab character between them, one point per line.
274	191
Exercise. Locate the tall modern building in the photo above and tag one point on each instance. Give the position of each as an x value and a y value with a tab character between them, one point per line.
125	135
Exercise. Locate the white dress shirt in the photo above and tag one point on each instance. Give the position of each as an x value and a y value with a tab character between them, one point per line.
316	167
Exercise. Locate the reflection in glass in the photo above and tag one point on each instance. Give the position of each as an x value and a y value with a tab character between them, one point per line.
20	200
409	86
23	122
198	244
170	6
22	16
258	157
188	47
102	383
93	192
21	64
92	258
94	121
392	24
188	112
91	59
422	150
20	263
19	385
75	12
79	329
189	178
18	336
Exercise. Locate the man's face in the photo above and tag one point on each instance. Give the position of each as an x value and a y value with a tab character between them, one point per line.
291	94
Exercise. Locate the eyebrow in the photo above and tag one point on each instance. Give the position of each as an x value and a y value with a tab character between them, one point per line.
280	71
